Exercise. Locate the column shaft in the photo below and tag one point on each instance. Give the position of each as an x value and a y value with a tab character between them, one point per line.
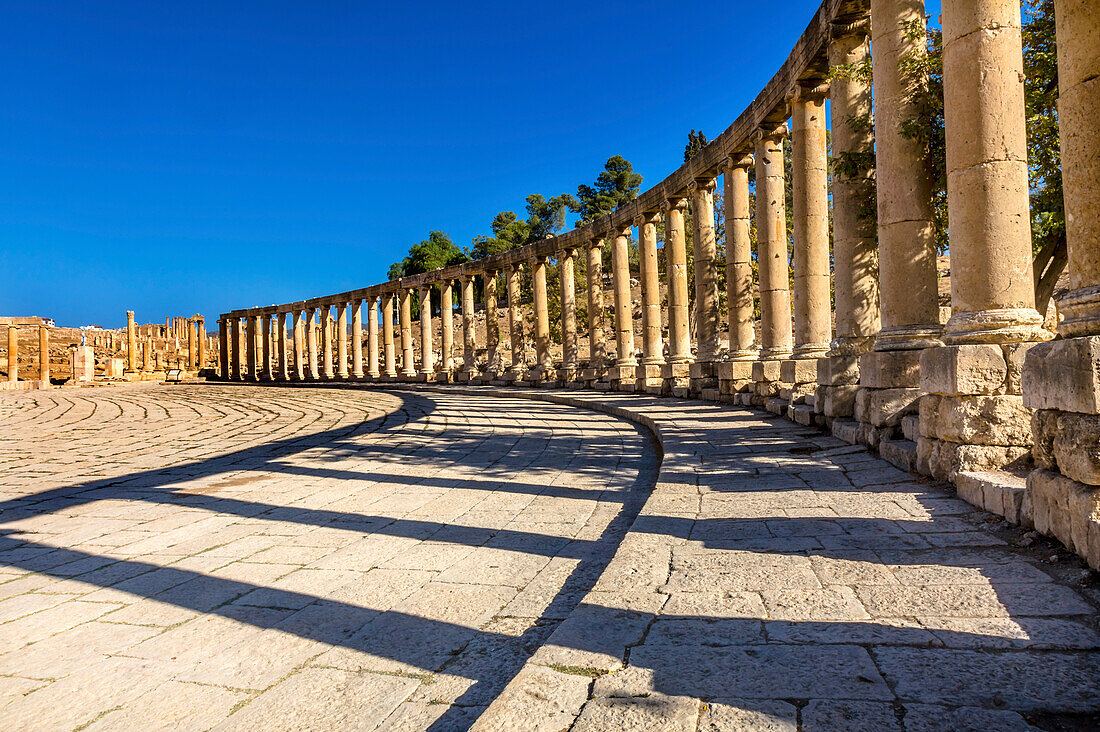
652	343
13	353
223	348
311	344
624	309
706	269
131	342
266	327
192	345
739	289
597	352
251	323
1078	26
427	350
357	339
372	338
570	351
492	322
809	171
234	349
855	248
390	356
342	340
44	355
992	292
679	336
515	317
542	316
907	242
771	236
326	343
447	326
284	367
296	335
408	367
469	335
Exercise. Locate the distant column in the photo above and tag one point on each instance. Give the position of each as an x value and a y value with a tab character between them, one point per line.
515	316
542	318
223	348
469	333
311	345
200	326
265	340
131	343
342	340
251	326
326	342
739	285
624	309
653	349
408	367
387	335
492	322
679	337
771	236
280	343
147	354
809	173
706	269
570	351
372	337
234	335
447	326
296	341
13	353
44	355
597	351
357	339
427	347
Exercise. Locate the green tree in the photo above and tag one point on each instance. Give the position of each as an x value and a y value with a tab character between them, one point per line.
546	216
616	184
696	142
435	252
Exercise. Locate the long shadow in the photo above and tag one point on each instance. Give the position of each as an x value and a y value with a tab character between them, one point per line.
390	634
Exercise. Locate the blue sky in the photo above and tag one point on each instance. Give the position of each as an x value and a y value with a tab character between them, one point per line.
175	158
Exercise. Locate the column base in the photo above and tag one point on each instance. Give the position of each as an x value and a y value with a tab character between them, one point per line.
734	377
648	379
909	337
677	378
703	380
620	377
1002	325
1080	310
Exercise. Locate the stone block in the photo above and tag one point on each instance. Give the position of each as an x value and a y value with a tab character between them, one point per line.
976	420
676	371
709	395
966	369
83	363
801	413
776	405
925	448
114	368
798	371
902	454
840	400
838	370
890	369
847	430
1063	375
785	393
910	426
1044	427
740	370
997	492
703	370
1076	447
1067	510
1015	355
945	459
765	388
886	407
766	370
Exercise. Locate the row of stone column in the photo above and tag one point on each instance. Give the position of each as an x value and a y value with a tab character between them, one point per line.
192	329
43	354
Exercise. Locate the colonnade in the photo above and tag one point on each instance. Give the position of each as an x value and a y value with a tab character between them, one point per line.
858	343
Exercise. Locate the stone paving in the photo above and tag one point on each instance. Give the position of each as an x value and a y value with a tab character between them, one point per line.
224	557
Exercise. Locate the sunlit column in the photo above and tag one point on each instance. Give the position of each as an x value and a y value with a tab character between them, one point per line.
739	284
652	343
372	337
624	310
570	351
357	338
390	356
447	326
515	316
342	340
679	338
597	351
427	349
408	367
706	269
469	334
771	236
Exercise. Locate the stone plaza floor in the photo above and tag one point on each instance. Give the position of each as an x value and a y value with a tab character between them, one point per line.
268	558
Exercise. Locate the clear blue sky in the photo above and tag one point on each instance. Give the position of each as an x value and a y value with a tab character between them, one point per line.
175	158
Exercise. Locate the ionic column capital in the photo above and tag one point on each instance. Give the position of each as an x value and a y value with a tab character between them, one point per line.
596	243
775	134
675	202
649	217
809	91
569	252
739	160
860	28
516	266
622	230
540	258
705	183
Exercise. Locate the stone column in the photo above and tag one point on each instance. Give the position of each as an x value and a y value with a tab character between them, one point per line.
569	346
223	348
297	374
1061	379
653	350
192	346
251	326
775	298
706	269
812	297
739	284
234	349
326	343
676	372
131	343
597	352
311	345
907	246
624	373
544	363
280	343
390	356
408	367
492	323
200	327
265	323
357	339
515	320
44	355
147	355
447	326
372	337
427	349
13	354
342	341
469	335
